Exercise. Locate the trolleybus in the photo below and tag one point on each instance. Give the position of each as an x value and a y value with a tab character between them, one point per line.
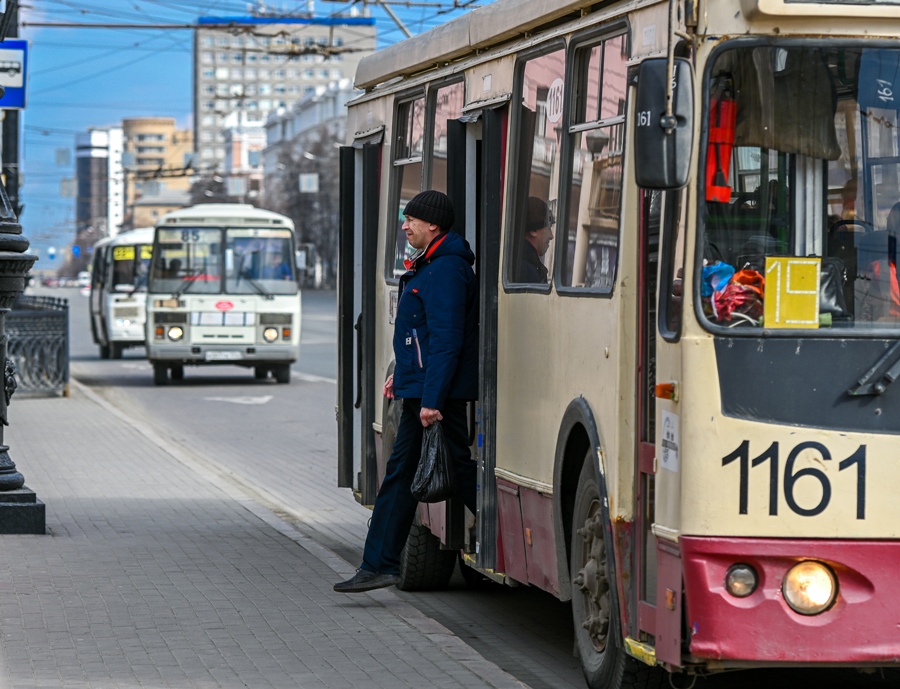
118	297
223	290
689	429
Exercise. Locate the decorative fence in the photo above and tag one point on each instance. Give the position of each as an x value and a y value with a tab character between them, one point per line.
38	330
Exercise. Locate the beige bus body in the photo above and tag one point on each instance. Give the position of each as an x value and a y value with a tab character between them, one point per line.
727	478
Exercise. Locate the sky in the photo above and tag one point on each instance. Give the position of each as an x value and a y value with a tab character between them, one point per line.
89	77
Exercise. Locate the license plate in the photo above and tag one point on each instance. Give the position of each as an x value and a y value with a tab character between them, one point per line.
224	356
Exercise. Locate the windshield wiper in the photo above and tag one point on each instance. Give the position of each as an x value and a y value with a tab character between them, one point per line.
258	287
187	281
889	368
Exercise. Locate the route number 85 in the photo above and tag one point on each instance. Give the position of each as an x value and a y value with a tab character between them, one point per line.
792	476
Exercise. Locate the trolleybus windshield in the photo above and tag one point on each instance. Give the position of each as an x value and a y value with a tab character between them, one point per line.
801	205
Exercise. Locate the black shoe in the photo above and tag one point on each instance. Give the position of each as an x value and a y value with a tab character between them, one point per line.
364	580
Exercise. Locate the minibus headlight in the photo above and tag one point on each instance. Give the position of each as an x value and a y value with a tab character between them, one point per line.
741	580
270	334
809	587
175	333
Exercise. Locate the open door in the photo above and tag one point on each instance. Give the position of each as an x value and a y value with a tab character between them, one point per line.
358	244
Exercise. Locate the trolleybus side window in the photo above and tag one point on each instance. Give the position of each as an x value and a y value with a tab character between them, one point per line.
802	189
540	85
448	105
589	239
408	149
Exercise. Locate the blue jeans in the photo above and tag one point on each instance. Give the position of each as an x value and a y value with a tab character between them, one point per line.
395	507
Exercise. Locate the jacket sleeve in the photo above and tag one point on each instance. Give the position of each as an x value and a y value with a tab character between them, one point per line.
445	311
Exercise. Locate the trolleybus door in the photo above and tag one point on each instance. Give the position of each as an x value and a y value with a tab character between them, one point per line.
357	466
658	589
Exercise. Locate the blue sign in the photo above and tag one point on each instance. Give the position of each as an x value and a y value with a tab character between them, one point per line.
13	65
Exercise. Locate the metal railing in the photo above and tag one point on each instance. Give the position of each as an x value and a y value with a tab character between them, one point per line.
38	330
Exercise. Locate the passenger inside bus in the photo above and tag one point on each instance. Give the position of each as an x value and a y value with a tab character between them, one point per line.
536	239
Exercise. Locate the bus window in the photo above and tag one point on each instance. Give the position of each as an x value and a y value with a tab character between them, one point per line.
448	105
802	179
409	147
540	86
590	238
187	261
259	260
129	268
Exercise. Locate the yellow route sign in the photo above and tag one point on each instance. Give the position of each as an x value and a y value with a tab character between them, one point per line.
792	292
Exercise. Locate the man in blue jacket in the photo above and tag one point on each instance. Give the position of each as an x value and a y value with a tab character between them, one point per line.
435	374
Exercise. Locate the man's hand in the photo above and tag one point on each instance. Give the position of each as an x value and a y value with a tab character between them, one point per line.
429	416
388	389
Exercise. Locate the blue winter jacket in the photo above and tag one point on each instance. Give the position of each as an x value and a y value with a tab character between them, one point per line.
436	329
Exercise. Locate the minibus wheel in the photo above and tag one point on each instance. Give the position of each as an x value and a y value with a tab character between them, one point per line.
598	638
282	373
178	372
115	350
160	374
104	351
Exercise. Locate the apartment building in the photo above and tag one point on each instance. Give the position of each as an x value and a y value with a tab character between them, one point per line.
156	160
251	66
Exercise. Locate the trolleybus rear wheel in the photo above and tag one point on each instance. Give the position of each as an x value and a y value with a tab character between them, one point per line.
160	374
598	640
423	565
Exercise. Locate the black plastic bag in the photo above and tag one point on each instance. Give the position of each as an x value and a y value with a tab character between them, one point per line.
435	479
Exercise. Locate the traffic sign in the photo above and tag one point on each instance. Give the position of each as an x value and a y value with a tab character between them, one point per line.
13	66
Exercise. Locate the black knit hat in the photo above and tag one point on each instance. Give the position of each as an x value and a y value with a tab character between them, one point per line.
432	207
537	218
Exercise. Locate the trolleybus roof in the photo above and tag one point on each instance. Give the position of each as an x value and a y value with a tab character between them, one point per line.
500	21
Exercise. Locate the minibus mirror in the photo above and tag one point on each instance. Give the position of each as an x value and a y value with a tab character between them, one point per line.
662	144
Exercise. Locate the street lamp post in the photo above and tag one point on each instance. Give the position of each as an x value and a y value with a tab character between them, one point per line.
20	510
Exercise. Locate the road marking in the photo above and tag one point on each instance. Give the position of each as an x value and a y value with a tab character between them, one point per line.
310	378
241	400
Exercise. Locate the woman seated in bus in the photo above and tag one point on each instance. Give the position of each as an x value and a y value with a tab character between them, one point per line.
535	243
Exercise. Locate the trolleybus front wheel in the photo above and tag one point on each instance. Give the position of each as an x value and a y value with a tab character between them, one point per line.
604	661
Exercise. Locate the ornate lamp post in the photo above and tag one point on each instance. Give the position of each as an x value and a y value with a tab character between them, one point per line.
20	510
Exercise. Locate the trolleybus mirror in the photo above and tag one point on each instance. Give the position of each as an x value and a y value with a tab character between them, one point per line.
663	141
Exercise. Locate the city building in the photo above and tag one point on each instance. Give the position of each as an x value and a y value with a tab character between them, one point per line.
99	200
157	159
245	140
252	66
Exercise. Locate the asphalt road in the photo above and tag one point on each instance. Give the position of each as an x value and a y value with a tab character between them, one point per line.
278	442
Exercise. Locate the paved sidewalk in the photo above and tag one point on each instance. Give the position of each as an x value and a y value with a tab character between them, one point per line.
157	572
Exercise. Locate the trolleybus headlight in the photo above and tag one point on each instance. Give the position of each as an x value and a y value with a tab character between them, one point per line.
270	334
809	587
741	580
175	333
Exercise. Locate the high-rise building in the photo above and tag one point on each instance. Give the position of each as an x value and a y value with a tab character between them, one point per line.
251	66
156	157
99	201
